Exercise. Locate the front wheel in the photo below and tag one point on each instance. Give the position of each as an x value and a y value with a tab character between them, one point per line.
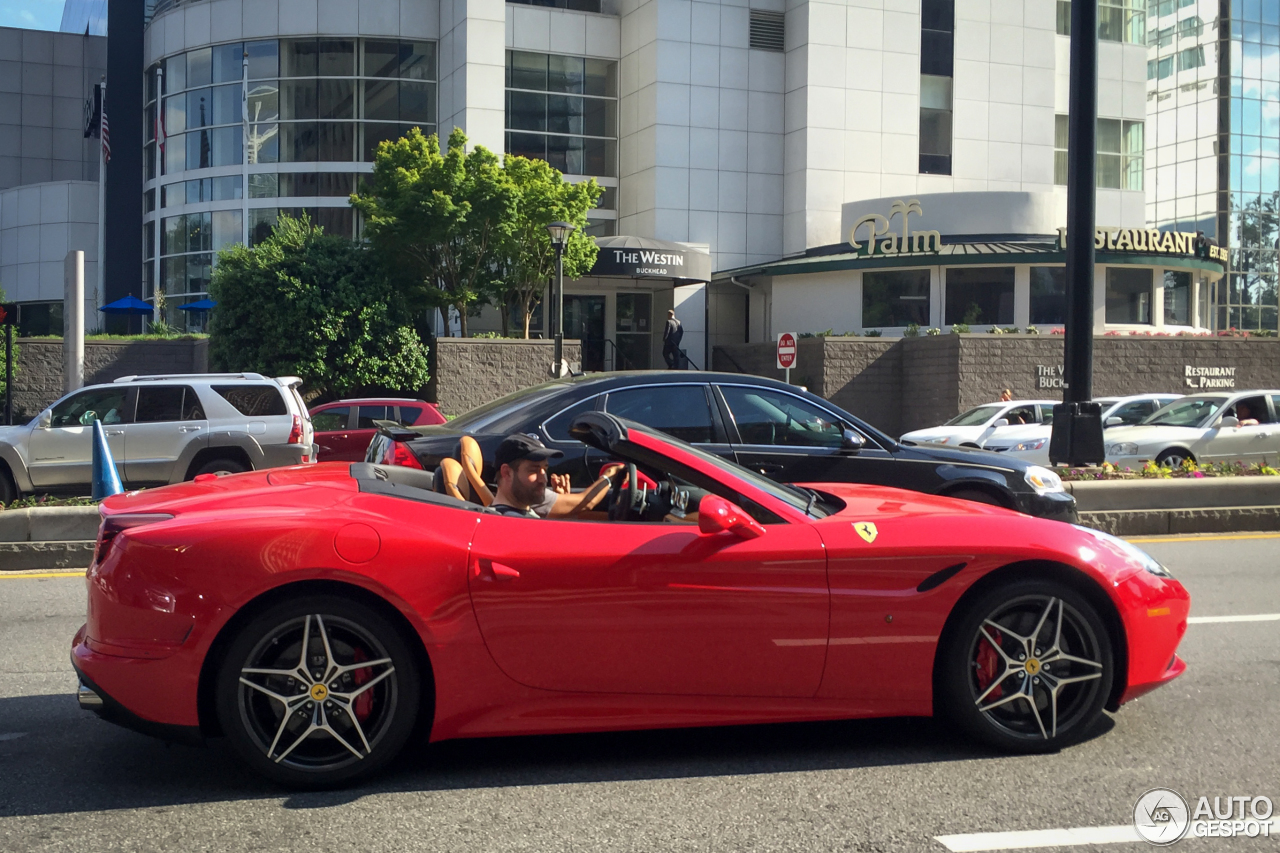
1173	458
1028	667
318	692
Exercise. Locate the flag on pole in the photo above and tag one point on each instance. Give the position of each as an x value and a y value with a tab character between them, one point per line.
93	113
106	134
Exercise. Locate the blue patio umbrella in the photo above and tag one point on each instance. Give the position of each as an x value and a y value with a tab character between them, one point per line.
202	305
128	305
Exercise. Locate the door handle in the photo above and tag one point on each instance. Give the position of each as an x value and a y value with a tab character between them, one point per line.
188	428
488	570
115	432
769	468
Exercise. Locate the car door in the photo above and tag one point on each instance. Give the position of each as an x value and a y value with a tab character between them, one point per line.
654	608
62	453
332	425
1246	444
353	447
166	419
792	440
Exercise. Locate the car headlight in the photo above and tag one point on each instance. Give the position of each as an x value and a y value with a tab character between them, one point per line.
1043	480
1139	556
1123	448
1035	444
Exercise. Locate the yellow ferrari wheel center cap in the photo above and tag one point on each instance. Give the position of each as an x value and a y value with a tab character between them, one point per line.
1033	667
319	692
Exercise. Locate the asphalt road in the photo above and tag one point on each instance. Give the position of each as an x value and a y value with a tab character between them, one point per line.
71	782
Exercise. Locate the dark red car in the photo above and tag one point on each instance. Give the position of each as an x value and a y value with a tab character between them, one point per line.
344	428
314	616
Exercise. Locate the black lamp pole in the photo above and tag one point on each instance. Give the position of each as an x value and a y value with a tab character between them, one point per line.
559	232
1077	423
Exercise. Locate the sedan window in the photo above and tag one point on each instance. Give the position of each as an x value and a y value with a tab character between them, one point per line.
1132	413
331	419
368	414
776	418
558	427
975	417
1187	412
103	404
678	410
1021	415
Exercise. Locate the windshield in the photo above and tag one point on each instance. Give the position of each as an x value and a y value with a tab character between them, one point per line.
791	495
1187	412
975	417
480	419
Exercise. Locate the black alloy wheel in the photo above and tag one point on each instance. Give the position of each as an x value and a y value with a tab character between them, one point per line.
1028	667
317	692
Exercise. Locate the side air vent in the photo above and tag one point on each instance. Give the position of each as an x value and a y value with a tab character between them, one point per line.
768	30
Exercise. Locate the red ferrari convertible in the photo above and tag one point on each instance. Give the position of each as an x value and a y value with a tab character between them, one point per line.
315	616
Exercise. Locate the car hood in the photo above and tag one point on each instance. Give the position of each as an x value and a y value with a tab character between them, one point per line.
937	433
961	455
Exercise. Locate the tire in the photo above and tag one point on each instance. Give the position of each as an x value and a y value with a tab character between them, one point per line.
331	735
995	682
221	466
8	491
977	496
1173	457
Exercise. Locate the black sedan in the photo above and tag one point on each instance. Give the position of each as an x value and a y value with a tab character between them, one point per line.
781	430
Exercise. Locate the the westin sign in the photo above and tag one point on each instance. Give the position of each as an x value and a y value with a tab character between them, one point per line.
666	262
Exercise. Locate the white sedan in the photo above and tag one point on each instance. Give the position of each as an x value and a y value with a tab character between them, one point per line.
1031	443
978	424
1238	427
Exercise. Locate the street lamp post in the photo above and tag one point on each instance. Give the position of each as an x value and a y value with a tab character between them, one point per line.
559	232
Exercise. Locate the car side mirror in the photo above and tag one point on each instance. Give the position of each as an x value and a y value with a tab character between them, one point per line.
717	515
1229	421
45	420
1114	422
852	441
999	423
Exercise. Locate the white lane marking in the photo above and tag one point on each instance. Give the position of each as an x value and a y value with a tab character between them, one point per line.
12	735
1040	838
1256	617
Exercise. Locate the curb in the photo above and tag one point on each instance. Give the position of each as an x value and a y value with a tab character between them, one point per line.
1181	493
49	524
1163	522
25	556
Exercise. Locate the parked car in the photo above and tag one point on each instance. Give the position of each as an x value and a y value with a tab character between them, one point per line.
779	430
1031	443
1203	428
344	428
160	429
980	423
328	613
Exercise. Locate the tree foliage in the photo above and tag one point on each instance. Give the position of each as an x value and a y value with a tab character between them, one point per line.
525	260
436	219
302	303
16	349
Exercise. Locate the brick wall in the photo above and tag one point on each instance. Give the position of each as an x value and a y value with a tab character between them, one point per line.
39	379
470	372
901	384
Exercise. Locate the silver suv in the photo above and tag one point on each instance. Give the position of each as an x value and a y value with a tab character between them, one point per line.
161	429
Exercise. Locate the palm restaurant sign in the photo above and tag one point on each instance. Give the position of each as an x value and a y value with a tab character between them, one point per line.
879	240
1152	242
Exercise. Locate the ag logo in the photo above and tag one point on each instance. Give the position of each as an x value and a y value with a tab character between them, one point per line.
867	530
1161	816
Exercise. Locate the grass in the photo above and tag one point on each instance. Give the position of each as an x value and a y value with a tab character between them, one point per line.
48	500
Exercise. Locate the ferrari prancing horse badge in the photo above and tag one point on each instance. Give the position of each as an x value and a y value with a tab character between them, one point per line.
867	530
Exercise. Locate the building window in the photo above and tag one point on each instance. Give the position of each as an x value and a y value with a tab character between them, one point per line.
1048	295
1120	153
1129	295
574	5
937	39
1192	57
1158	69
1159	8
1061	135
767	30
563	109
980	296
895	298
1191	27
1118	20
1177	298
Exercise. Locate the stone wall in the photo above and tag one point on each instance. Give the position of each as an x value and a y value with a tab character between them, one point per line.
39	379
901	384
469	372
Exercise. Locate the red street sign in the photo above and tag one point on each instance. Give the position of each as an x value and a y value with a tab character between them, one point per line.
786	350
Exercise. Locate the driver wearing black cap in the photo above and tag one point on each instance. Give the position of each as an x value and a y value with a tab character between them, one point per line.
522	477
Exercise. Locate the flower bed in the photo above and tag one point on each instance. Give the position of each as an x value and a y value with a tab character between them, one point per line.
1151	471
46	500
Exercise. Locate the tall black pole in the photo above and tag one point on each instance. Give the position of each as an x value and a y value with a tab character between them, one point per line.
1077	440
559	317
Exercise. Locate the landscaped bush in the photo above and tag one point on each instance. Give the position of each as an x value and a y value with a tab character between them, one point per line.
1188	470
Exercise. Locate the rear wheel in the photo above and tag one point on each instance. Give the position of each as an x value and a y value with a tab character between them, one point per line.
8	491
221	466
1027	668
318	692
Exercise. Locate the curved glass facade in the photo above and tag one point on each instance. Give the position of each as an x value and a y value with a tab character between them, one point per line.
236	133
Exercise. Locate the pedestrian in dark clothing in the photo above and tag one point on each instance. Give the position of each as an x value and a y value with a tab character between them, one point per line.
671	337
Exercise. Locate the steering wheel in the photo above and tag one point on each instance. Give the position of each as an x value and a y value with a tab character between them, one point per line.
622	499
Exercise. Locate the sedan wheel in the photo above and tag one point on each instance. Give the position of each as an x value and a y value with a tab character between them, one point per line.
1028	668
317	692
1173	458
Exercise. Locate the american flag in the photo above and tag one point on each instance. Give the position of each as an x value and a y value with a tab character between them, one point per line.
106	136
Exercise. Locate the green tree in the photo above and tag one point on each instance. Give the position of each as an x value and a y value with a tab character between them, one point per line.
525	259
435	219
303	303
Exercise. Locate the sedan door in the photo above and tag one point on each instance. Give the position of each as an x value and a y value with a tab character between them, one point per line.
1246	444
167	419
332	427
61	454
653	608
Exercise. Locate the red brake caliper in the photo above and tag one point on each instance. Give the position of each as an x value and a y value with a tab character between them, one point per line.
987	665
364	702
